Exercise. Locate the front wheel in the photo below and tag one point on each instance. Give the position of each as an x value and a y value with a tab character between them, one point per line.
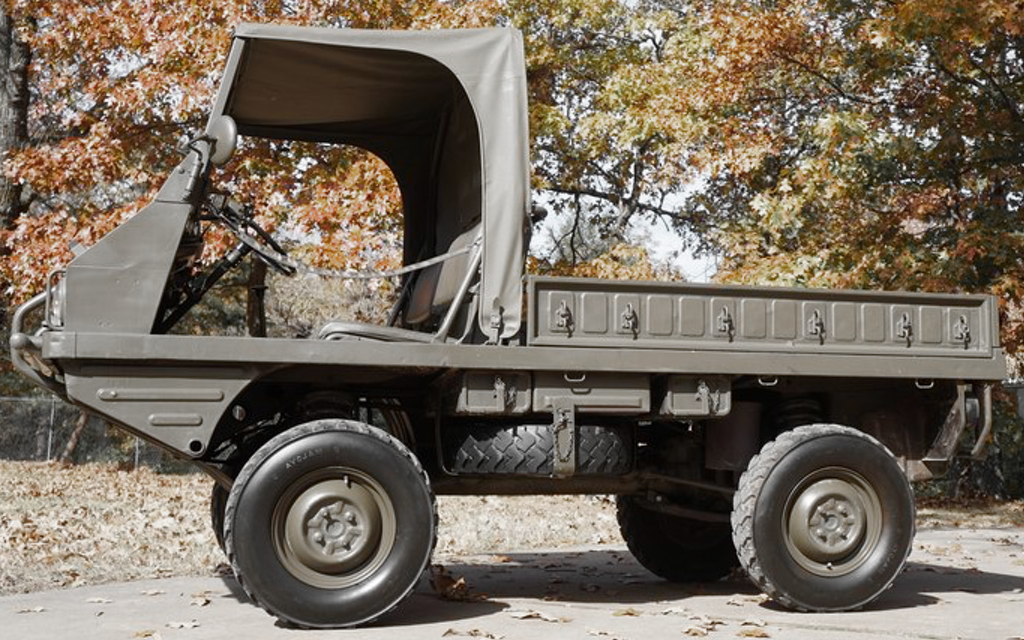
823	519
330	524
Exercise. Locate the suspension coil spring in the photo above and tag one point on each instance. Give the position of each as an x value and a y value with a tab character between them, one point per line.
796	412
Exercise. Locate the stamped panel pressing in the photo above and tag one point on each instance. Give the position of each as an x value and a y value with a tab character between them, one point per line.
754	319
659	318
873	321
931	326
595	312
692	314
844	321
784	319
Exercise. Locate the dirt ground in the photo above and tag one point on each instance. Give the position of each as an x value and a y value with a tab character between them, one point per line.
92	524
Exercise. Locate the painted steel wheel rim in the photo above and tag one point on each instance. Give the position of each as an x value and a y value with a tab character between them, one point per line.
832	522
333	528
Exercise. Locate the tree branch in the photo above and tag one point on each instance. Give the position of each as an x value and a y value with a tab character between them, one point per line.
835	86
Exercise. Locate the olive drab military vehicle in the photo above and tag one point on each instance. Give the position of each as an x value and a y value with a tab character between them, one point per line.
769	428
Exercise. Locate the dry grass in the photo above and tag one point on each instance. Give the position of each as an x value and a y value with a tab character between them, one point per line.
975	513
70	526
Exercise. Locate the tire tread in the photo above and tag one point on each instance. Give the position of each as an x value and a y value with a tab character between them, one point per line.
529	450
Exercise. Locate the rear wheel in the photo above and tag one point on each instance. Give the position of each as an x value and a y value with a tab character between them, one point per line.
823	519
330	524
673	547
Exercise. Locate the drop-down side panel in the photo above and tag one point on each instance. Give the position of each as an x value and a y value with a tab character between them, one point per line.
658	315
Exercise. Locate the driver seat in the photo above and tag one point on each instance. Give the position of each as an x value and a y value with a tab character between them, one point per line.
437	292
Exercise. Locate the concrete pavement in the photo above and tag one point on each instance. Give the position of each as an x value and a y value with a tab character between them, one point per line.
959	583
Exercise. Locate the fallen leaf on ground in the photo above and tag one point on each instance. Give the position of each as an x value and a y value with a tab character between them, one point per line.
152	592
31	610
99	600
628	611
191	624
199	601
698	632
674	611
752	633
537	615
449	587
472	633
705	624
753	623
148	633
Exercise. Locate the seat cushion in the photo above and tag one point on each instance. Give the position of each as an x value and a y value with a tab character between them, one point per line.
358	330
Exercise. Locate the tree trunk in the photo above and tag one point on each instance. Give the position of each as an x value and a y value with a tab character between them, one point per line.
255	309
14	98
76	435
14	63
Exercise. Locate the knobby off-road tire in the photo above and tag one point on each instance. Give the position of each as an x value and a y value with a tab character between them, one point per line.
218	503
529	449
330	524
823	519
675	548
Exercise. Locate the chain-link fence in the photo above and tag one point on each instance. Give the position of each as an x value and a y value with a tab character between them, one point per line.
44	429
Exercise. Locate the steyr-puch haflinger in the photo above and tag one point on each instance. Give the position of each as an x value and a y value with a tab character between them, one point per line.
771	428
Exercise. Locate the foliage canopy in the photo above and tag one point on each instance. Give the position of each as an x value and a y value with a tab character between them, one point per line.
813	142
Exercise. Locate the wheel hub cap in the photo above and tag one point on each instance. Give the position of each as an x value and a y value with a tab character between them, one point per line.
335	529
827	521
834	522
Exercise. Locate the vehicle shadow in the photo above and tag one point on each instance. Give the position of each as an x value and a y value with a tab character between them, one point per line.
592	576
923	583
611	576
423	606
614	577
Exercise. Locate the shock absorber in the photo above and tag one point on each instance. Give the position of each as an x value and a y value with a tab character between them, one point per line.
795	412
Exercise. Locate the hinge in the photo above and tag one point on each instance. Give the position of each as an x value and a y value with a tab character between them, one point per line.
504	395
905	329
630	320
563	317
962	331
816	326
725	323
712	400
565	437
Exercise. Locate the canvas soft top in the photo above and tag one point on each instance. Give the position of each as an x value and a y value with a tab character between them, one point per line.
445	109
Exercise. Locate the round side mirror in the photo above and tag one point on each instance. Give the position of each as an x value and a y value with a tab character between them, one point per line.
223	131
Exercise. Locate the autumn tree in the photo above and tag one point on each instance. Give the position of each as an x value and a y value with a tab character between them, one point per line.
96	97
14	99
826	142
598	156
853	144
116	84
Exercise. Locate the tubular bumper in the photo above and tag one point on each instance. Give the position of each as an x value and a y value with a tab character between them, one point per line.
26	349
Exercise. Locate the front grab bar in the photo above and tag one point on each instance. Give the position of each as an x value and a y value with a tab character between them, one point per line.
23	344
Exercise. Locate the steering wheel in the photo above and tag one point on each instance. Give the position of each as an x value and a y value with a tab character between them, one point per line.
240	222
